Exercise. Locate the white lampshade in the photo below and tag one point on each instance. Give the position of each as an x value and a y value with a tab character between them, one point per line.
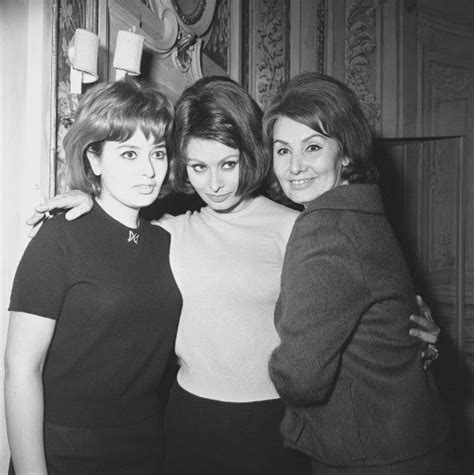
128	53
84	53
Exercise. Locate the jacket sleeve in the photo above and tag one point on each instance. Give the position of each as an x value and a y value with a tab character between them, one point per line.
323	296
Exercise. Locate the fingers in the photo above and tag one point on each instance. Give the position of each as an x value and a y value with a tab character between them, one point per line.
34	229
57	202
425	310
35	219
423	322
79	210
423	335
429	325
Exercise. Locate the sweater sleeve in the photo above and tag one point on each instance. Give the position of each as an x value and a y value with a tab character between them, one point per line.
165	222
323	296
40	282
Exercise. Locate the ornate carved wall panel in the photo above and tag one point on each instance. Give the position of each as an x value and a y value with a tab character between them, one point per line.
266	47
217	46
72	15
446	82
360	56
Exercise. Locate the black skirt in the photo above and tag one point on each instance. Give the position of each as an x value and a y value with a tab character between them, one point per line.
214	437
124	450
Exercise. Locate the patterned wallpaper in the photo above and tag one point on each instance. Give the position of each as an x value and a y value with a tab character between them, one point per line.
72	15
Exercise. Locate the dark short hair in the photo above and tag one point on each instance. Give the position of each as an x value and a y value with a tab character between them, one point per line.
329	107
113	112
217	108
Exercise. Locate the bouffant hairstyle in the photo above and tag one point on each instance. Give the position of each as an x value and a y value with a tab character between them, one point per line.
217	108
113	112
329	107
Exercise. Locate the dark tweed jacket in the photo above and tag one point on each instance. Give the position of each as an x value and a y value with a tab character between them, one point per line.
349	372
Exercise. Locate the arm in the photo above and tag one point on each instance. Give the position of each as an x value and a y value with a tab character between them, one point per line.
77	202
323	296
28	340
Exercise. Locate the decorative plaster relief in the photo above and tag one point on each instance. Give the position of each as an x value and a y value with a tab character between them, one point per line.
271	48
450	82
322	35
360	56
443	171
217	46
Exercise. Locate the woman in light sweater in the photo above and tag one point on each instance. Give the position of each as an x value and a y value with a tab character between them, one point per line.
223	414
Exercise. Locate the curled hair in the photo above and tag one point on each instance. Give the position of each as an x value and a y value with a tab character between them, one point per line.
113	112
217	108
330	108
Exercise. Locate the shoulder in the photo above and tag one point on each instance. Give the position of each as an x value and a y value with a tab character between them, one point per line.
320	228
160	231
272	210
278	208
170	223
53	228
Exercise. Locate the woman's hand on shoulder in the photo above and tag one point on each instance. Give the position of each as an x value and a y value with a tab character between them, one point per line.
75	201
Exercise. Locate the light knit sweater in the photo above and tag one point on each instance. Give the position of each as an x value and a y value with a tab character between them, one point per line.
228	267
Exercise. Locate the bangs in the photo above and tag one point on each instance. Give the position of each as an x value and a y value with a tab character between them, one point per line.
314	117
123	128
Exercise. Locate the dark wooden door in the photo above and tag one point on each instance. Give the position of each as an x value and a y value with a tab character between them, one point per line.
425	196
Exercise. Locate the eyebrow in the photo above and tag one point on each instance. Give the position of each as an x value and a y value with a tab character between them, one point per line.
224	159
127	145
306	139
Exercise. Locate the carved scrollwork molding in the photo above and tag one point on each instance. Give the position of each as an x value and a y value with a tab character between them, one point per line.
217	47
322	34
272	48
450	82
360	56
441	181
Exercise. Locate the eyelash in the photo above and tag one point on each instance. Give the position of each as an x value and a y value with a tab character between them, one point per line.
131	155
159	155
309	148
127	154
198	168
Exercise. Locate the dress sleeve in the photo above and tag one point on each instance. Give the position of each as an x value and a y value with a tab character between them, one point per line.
323	295
41	279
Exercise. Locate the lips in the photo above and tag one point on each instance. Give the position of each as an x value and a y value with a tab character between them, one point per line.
301	182
145	189
218	198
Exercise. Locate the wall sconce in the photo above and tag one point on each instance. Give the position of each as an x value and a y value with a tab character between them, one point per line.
83	55
128	54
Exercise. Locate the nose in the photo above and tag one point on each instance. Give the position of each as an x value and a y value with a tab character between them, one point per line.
296	163
215	181
147	167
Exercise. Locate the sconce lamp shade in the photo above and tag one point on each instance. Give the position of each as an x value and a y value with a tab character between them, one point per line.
128	53
84	54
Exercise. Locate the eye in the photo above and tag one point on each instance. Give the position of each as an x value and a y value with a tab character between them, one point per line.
314	147
281	151
229	165
129	155
159	155
197	167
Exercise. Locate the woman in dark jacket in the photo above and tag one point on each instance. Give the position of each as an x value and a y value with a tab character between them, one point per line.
358	398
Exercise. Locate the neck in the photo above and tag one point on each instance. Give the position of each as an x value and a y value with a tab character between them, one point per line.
123	214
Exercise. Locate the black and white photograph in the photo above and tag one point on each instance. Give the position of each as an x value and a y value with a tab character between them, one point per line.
237	237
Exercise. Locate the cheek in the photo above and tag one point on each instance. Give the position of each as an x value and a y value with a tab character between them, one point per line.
278	169
195	180
161	168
